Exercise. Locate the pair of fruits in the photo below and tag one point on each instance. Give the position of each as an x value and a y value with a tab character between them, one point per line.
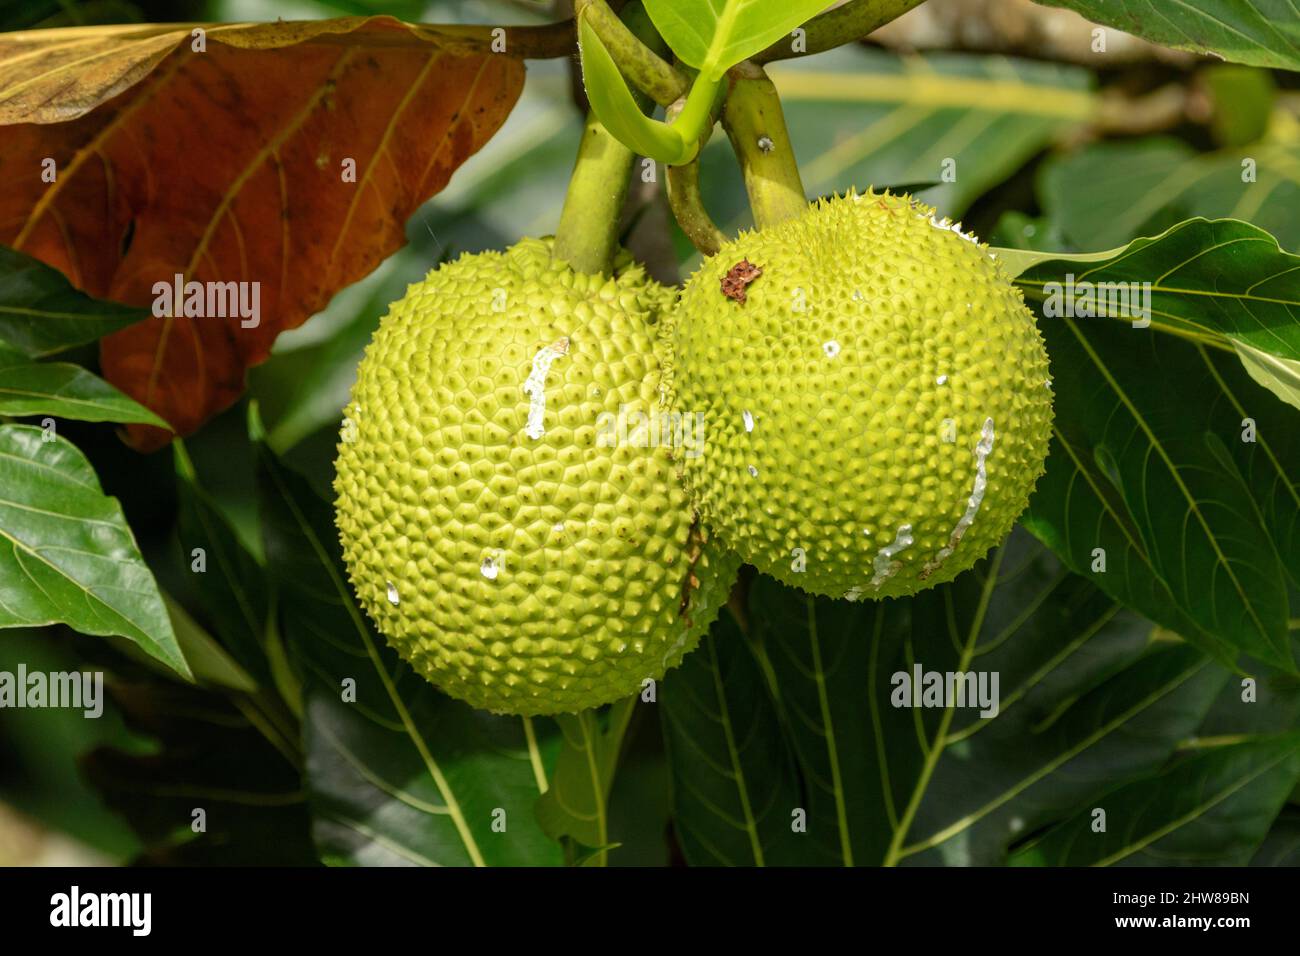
552	478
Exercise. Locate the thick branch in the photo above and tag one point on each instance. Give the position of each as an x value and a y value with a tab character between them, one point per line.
755	124
845	24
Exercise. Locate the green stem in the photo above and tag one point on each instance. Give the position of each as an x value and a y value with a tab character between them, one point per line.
844	24
755	125
587	236
696	116
687	202
654	76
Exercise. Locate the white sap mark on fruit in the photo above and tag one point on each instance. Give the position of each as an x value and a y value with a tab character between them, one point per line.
831	348
941	380
853	594
748	419
393	599
535	387
490	568
558	526
982	451
884	564
1047	384
753	472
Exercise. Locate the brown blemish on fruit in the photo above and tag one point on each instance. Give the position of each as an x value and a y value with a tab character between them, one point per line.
738	276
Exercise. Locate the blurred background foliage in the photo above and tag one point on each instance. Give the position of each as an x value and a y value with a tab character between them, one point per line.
1008	95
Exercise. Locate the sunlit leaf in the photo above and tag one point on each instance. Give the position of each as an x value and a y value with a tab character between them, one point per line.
715	35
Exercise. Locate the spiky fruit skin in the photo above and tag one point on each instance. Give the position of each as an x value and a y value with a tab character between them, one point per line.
529	575
873	353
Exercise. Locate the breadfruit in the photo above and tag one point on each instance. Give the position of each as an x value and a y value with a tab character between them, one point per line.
875	397
509	507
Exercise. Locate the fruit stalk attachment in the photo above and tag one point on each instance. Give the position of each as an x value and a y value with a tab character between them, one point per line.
588	232
687	202
755	124
587	236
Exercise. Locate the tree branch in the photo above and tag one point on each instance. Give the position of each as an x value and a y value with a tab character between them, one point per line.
845	24
755	124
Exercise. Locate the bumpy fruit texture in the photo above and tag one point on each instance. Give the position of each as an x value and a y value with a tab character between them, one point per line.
510	512
877	410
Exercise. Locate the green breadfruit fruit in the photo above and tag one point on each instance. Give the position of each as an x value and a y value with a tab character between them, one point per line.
875	397
509	517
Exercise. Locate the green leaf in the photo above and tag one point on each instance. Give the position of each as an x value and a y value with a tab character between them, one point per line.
41	313
576	803
1282	845
401	774
617	110
208	754
969	122
1222	283
66	390
1142	187
714	35
1197	528
66	553
232	588
1151	461
1084	701
211	665
1241	99
1211	809
735	790
1279	375
1258	32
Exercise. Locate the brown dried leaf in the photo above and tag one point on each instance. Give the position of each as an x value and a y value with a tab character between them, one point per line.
226	165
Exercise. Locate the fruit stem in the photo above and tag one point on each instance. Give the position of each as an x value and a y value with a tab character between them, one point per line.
755	125
845	24
649	72
686	201
587	236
